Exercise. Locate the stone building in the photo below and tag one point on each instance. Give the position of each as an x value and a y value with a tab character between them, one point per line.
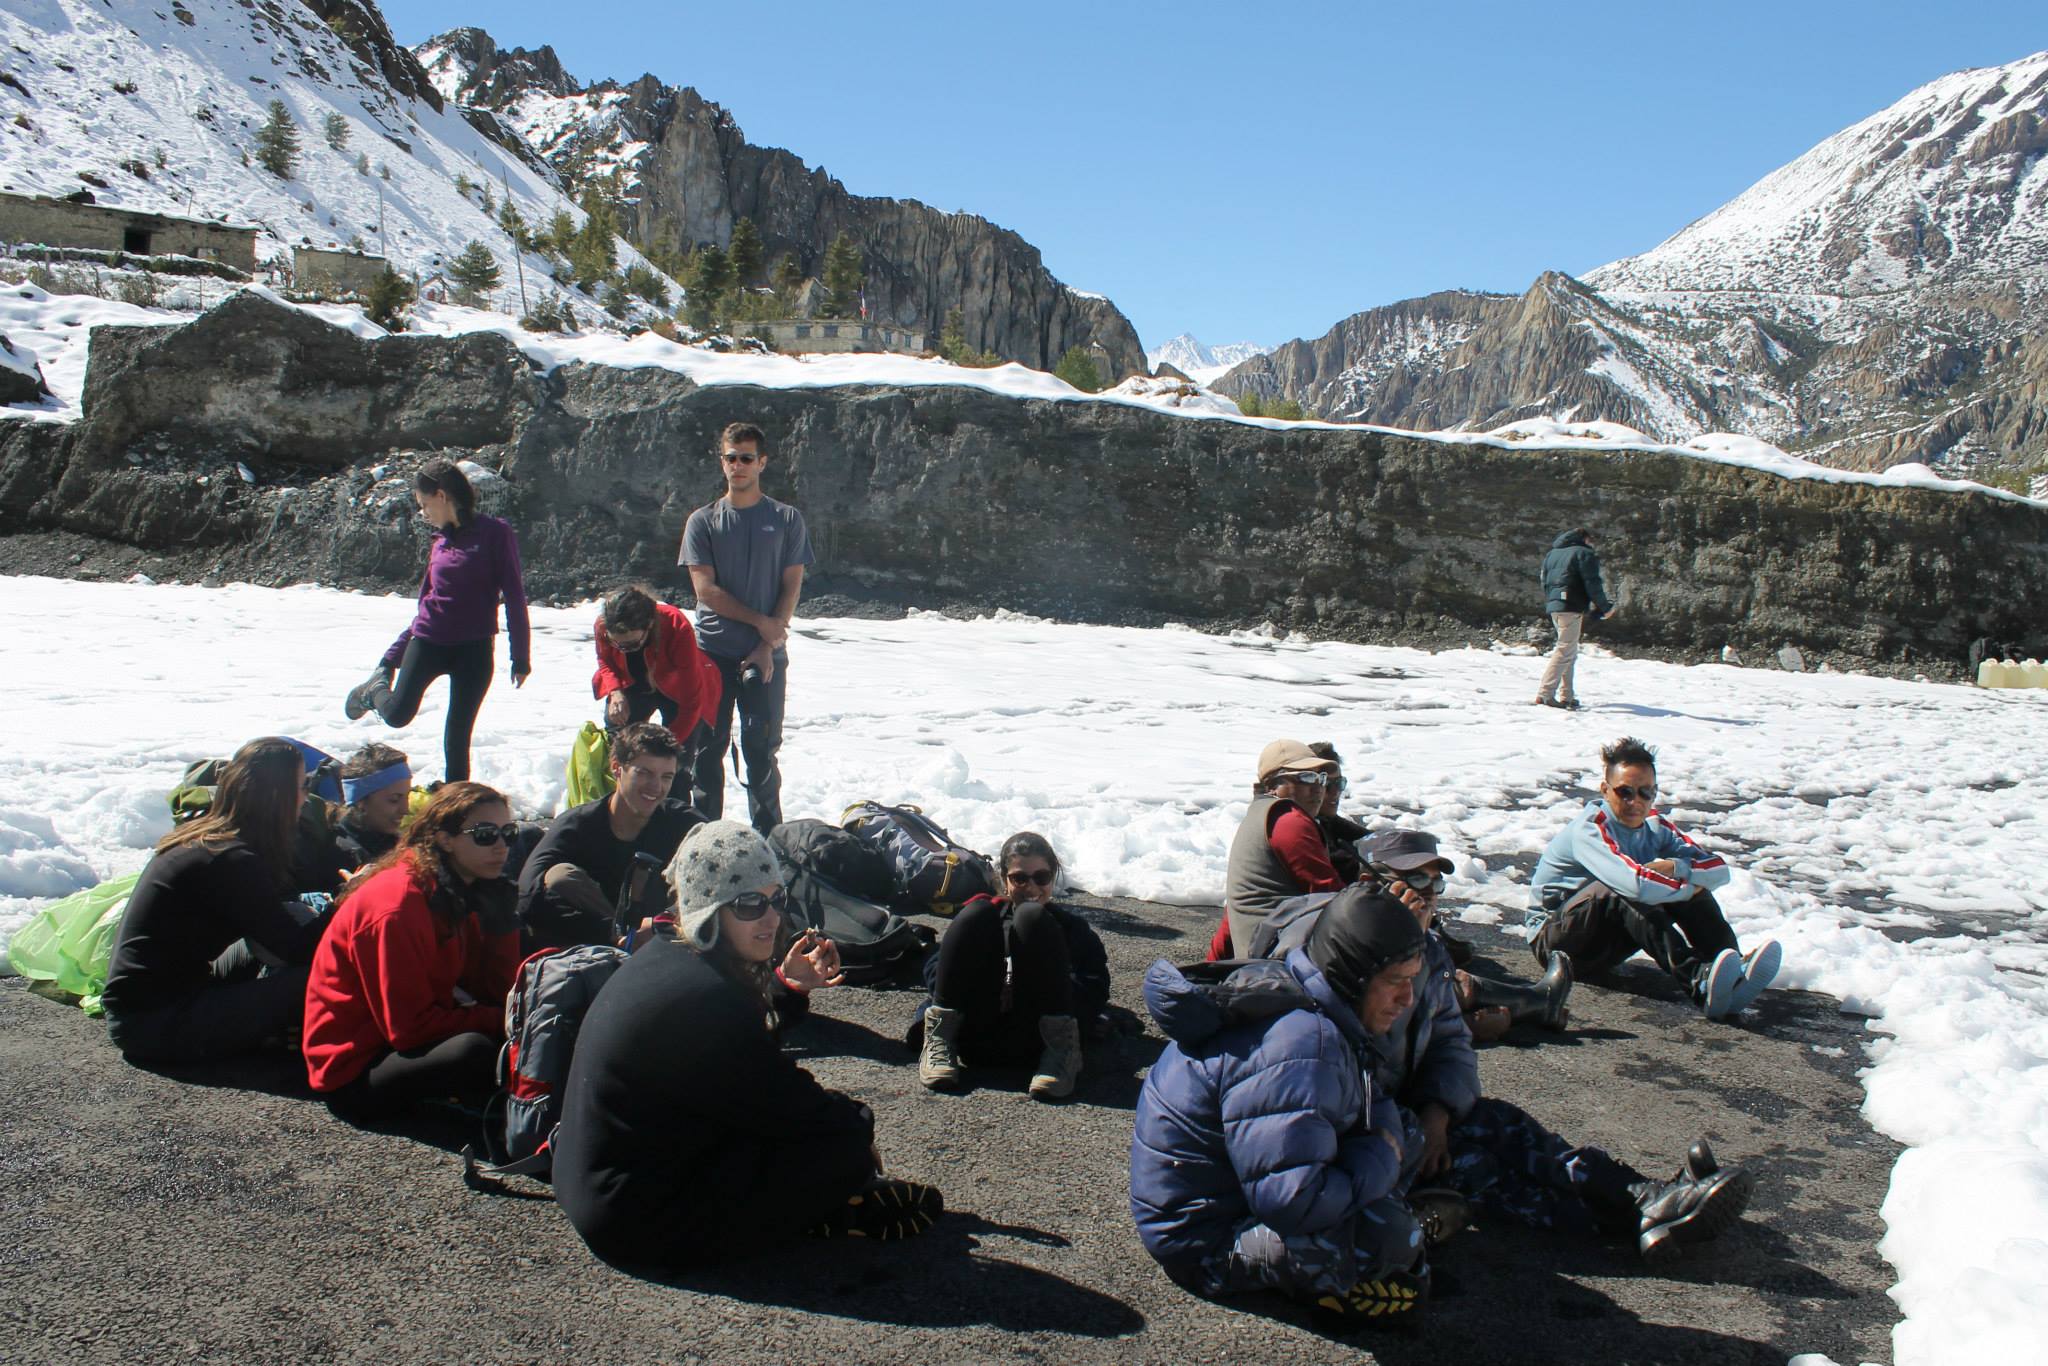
34	219
836	334
335	272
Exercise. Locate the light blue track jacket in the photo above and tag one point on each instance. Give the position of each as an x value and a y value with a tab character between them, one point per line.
1597	847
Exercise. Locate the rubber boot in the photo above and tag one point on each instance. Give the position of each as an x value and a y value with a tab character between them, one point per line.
1542	1004
1059	1066
1699	1161
1458	949
368	695
938	1063
1676	1213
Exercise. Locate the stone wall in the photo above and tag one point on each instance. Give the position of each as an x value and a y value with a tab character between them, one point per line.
835	335
61	223
335	272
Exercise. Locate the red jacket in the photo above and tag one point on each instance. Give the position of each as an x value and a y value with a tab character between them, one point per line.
675	666
385	977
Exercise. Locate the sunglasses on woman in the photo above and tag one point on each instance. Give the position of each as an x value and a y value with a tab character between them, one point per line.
1042	878
754	905
487	835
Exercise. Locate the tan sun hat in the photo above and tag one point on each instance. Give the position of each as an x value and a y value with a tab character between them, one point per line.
1291	754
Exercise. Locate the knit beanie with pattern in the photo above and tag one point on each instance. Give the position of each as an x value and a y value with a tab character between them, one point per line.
718	861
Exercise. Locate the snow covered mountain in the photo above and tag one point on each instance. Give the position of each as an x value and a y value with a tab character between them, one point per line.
1883	298
158	110
1203	363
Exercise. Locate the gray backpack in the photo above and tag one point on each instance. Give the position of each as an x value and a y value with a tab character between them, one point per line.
543	1016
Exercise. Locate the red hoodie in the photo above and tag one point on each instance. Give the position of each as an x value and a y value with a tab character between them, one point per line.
675	666
385	977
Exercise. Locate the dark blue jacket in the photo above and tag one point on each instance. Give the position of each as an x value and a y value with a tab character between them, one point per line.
1260	1108
1571	577
1428	1054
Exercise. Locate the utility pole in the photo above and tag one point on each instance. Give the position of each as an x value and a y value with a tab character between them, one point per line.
518	252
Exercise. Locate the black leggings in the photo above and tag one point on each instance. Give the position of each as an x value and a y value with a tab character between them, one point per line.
468	667
969	978
465	1067
224	1020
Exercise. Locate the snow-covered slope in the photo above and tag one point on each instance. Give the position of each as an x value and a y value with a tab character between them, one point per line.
1203	363
163	106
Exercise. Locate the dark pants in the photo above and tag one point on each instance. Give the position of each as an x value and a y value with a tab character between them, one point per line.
241	1013
468	669
1504	1161
1599	927
760	709
970	972
644	703
464	1067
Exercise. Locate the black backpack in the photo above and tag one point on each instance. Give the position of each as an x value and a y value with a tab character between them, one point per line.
931	875
875	944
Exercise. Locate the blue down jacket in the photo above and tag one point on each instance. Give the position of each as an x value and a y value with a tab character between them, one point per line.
1259	1109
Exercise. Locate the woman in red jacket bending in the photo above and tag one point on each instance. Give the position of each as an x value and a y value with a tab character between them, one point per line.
407	997
648	664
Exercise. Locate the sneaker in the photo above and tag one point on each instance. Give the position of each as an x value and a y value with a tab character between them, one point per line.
362	697
938	1061
1717	995
1569	703
1759	970
1685	1211
1393	1300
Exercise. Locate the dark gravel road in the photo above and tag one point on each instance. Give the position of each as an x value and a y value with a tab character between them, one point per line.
148	1218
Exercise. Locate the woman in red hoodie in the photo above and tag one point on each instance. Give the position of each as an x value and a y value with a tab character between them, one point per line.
407	997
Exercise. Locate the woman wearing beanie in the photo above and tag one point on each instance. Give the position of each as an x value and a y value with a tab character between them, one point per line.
687	1135
1014	981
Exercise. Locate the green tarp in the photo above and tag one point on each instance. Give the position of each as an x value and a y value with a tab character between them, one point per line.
64	951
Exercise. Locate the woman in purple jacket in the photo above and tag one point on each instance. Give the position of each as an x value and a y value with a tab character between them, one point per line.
474	565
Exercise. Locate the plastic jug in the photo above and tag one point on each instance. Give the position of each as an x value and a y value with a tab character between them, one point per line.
2033	674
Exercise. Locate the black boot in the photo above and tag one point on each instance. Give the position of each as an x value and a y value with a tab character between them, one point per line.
369	695
1458	949
1699	1161
1540	1004
1675	1213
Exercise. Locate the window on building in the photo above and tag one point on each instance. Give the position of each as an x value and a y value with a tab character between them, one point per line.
831	329
803	331
135	241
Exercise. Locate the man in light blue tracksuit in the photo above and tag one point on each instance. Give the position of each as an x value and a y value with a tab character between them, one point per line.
1622	877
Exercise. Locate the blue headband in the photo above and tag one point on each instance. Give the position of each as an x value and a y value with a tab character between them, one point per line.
355	789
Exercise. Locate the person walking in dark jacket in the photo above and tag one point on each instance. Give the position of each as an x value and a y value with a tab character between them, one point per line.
1571	590
186	981
473	566
1014	981
687	1135
569	887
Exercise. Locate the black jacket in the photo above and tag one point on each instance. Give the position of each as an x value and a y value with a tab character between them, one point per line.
583	836
1571	577
687	1134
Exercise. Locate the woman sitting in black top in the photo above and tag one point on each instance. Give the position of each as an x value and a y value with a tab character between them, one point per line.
209	910
686	1134
1013	980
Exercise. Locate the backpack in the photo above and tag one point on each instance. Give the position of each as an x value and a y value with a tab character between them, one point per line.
932	874
193	796
837	855
589	774
544	1013
875	944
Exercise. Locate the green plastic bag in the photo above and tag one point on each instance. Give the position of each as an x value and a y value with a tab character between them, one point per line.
590	770
64	951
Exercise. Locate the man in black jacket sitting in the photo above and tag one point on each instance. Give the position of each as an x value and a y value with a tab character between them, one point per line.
569	889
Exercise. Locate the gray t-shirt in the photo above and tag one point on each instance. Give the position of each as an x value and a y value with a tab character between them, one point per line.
747	549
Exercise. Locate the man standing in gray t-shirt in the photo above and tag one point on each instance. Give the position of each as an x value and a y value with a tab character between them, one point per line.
746	555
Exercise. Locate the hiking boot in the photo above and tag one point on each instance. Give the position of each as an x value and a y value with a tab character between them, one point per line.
938	1063
1568	704
1394	1300
1059	1067
1440	1212
1717	985
1759	969
886	1211
1676	1213
364	696
1541	1004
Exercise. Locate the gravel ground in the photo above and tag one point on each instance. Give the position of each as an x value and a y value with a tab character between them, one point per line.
146	1217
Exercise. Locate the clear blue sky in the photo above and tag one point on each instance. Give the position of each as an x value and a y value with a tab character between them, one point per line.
1256	172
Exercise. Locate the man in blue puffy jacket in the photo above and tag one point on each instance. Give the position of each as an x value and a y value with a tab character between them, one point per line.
1262	1159
1622	877
1571	591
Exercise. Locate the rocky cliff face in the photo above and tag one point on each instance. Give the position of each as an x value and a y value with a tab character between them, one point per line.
1879	300
688	173
949	495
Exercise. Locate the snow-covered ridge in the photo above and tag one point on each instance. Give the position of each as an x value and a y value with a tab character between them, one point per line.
1201	363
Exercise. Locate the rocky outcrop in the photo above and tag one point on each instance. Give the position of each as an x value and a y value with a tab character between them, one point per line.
693	174
360	25
948	495
21	378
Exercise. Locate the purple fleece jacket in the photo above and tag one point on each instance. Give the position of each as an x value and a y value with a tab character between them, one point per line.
468	570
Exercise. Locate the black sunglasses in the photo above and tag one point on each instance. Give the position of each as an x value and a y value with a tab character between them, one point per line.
1645	793
1043	877
487	835
754	905
741	457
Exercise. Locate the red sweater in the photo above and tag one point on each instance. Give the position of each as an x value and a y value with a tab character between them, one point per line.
386	973
1298	841
675	666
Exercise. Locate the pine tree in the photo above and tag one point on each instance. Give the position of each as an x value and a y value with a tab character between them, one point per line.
362	163
383	171
513	225
593	254
389	295
746	252
953	338
710	276
560	233
336	129
844	276
490	200
475	271
277	142
1077	368
642	282
789	278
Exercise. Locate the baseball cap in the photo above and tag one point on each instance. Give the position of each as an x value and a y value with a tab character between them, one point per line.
1291	754
1405	850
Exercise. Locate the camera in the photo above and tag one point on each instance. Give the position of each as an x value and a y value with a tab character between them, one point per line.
750	675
